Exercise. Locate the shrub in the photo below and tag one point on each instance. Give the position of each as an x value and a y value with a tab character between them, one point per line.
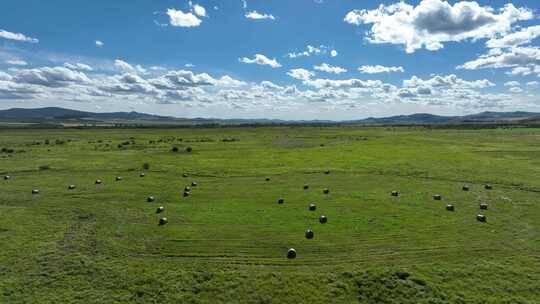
174	149
146	166
189	149
44	167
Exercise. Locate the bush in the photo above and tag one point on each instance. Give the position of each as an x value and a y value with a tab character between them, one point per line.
44	167
146	166
189	149
174	149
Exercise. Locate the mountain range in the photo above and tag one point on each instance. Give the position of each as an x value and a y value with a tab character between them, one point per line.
59	116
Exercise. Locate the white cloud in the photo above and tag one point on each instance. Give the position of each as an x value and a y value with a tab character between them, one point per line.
524	36
198	9
261	60
310	50
325	67
300	74
524	58
434	22
374	69
532	83
333	53
99	43
50	76
449	81
343	84
515	90
17	62
126	67
179	18
17	36
512	84
228	81
259	16
78	66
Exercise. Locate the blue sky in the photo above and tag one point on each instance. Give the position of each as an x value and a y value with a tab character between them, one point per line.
302	59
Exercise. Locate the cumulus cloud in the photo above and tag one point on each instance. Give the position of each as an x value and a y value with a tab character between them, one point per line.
99	43
78	66
333	53
310	50
198	9
259	16
181	19
17	62
515	90
328	68
532	83
512	84
17	36
374	69
126	67
261	60
524	58
50	76
524	36
343	84
300	74
433	22
449	81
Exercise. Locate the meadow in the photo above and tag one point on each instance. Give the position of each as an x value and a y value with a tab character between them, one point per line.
227	241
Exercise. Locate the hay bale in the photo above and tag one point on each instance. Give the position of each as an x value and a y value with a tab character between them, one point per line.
35	191
327	172
465	188
150	199
291	253
306	186
189	149
450	207
185	175
71	187
98	182
186	193
309	234
323	219
7	177
193	184
163	221
481	218
160	209
118	178
488	187
187	189
312	207
437	197
395	193
142	175
281	201
326	191
267	179
483	206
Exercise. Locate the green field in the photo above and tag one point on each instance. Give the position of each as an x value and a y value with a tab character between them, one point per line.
227	242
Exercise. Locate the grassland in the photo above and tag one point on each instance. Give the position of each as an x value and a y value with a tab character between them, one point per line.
227	241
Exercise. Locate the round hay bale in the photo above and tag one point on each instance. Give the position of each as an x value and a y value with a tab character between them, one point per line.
291	253
483	206
395	193
309	234
312	207
150	199
160	209
450	207
327	172
187	189
118	178
323	219
98	182
35	191
141	175
281	201
326	191
163	221
488	187
186	193
267	179
465	188
193	184
306	186
481	218
7	177
71	187
189	149
437	197
185	175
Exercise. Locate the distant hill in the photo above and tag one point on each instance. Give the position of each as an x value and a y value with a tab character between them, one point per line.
56	115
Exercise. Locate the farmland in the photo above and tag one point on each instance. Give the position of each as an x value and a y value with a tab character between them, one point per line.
227	241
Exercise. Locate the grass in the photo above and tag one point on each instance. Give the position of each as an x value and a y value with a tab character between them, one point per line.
227	241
